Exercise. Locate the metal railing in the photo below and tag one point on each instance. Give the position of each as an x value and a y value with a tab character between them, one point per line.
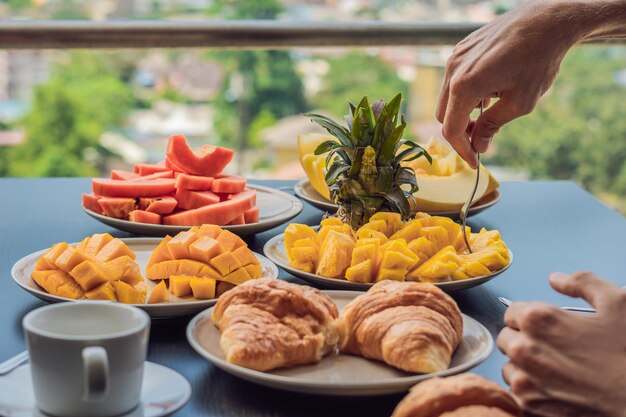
266	34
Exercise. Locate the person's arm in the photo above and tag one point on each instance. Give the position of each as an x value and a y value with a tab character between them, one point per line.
564	364
515	58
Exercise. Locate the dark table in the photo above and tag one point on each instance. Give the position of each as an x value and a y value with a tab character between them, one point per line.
549	226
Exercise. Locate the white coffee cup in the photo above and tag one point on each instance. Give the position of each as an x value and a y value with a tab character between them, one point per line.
86	357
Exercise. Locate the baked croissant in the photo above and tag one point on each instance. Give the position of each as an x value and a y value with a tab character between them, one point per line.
269	323
465	395
412	326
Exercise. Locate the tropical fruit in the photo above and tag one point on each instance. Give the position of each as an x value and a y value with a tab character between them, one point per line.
426	248
196	261
188	189
99	267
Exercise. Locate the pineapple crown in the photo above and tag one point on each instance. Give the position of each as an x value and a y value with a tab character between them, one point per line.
364	164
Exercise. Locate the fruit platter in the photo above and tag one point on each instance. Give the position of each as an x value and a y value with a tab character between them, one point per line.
188	189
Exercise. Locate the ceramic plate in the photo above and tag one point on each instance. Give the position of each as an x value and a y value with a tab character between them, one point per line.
163	391
305	191
339	374
143	247
275	250
275	208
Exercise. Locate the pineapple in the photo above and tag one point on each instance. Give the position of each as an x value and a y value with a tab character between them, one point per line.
335	254
365	174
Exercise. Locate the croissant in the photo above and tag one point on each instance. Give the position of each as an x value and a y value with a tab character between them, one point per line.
465	395
413	326
269	323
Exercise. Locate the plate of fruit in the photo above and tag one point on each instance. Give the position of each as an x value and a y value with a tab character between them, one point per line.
424	249
169	277
188	189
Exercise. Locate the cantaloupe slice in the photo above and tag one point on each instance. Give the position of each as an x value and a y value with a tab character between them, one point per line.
104	291
179	285
88	274
203	288
159	294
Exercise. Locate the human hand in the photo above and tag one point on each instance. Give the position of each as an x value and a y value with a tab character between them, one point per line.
564	363
515	58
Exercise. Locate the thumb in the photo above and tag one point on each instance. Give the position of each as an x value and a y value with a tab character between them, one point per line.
490	122
585	285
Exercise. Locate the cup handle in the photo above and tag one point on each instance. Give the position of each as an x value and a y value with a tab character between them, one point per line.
96	366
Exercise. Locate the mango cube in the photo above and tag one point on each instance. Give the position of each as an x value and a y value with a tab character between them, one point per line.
203	288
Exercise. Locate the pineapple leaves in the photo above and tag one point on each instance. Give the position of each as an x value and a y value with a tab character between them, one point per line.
338	131
326	146
413	145
356	164
406	175
337	168
386	121
362	131
384	181
377	107
398	202
387	151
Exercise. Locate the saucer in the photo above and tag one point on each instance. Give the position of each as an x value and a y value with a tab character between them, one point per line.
163	391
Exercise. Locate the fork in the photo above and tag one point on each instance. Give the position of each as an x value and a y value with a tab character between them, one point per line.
508	303
468	203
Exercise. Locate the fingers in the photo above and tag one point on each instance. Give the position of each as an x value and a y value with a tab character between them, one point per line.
585	285
455	125
490	122
535	318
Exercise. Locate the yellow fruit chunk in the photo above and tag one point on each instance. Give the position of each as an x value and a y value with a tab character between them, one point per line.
364	252
437	235
237	277
255	271
70	258
438	268
54	252
160	253
411	231
331	221
104	291
490	257
245	256
225	263
423	248
82	245
393	222
88	274
179	285
314	165
58	283
484	238
97	242
470	269
344	229
128	294
203	288
305	258
159	294
295	232
230	241
123	268
459	244
205	249
335	254
209	230
361	272
164	270
365	233
178	246
376	225
397	260
43	265
114	249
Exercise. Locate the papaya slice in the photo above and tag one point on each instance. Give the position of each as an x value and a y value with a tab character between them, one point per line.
252	215
220	213
90	202
148	169
238	220
118	208
118	174
142	216
193	182
189	200
210	161
230	184
159	205
116	188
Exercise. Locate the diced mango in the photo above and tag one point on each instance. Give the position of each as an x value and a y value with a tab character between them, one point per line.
255	271
54	252
163	270
225	263
104	291
160	253
205	249
179	285
82	244
58	283
43	265
230	241
70	258
178	246
128	294
245	256
123	268
237	277
203	288
159	294
209	230
89	274
97	242
114	249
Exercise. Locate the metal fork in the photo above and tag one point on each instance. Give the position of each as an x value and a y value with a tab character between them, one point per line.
468	203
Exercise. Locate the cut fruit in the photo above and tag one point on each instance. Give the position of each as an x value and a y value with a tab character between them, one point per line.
219	214
179	285
105	291
252	215
188	199
130	295
142	216
203	288
193	182
159	294
90	202
117	188
159	205
118	174
147	169
155	176
118	208
229	184
210	163
238	220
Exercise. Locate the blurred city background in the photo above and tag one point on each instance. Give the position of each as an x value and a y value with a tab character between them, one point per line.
84	112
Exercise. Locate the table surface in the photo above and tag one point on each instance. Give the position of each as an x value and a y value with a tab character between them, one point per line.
549	226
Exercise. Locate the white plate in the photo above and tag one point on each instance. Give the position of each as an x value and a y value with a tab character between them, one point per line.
340	374
275	250
143	247
163	391
305	191
275	208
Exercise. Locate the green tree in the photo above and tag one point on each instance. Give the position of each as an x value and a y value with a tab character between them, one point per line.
353	76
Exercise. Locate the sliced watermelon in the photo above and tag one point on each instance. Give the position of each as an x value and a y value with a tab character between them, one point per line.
147	169
220	213
90	202
119	208
155	176
231	184
141	216
193	182
209	162
159	205
252	215
188	199
117	188
118	174
238	220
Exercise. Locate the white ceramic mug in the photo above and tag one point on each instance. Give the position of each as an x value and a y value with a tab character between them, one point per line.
87	357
